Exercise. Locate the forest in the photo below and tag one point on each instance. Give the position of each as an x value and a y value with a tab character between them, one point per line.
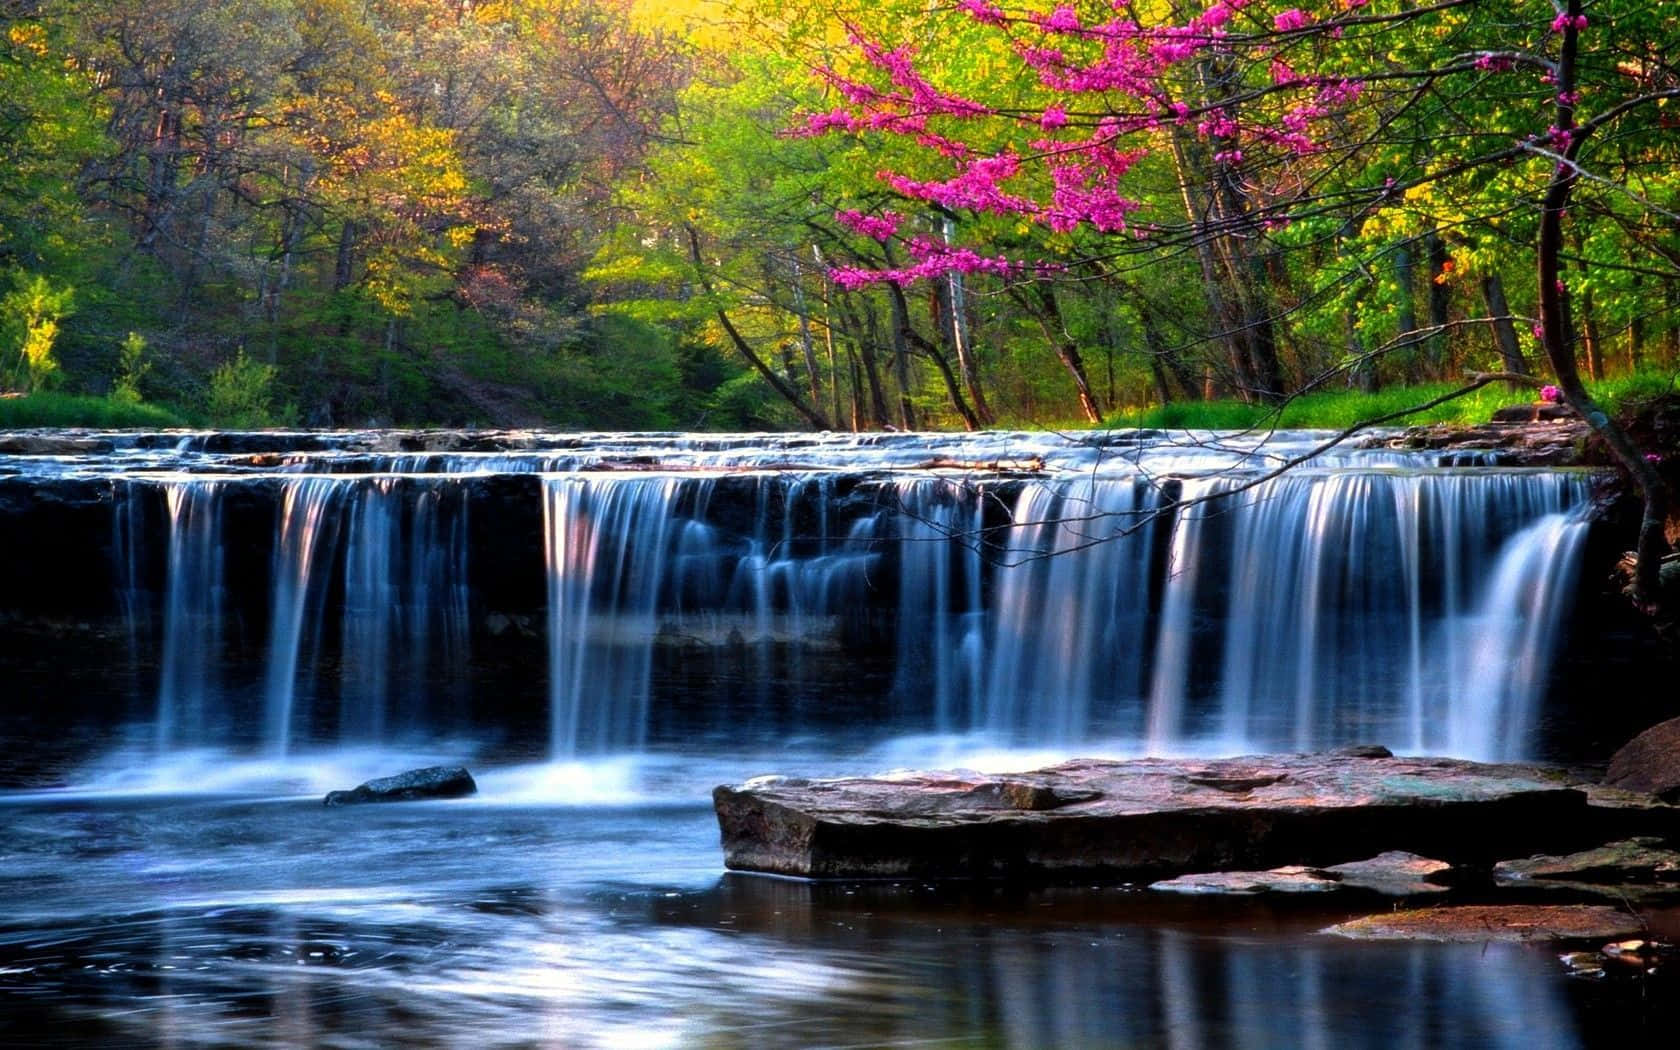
767	214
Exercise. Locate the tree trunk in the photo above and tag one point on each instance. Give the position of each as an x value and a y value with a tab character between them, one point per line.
790	394
1406	339
1558	340
962	338
1504	332
1440	298
865	341
805	340
1049	317
1197	211
932	352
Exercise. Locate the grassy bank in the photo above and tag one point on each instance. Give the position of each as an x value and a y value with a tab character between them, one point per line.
70	410
1339	409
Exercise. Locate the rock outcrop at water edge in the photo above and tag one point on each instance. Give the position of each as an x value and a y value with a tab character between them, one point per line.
1152	819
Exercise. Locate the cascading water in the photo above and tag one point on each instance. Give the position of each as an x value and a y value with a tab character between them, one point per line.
1124	594
1071	624
308	522
189	688
608	552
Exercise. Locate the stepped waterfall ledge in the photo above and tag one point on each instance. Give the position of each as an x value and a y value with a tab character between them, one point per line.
569	598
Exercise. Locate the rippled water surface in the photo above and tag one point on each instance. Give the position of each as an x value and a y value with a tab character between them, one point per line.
132	917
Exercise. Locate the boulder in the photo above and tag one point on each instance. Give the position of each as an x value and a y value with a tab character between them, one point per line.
416	784
1650	762
1150	819
1476	923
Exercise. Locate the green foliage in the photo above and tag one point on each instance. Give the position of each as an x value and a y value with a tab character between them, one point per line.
30	316
242	395
54	409
1340	409
132	367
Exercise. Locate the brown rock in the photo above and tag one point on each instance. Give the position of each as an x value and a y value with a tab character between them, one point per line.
1149	819
1650	762
1509	922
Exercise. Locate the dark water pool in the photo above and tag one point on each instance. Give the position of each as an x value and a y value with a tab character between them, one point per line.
186	920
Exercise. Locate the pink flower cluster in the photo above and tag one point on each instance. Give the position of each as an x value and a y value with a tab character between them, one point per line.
881	227
1064	175
932	259
1563	22
1294	18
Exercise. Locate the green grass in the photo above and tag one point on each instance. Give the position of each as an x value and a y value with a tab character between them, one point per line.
1339	409
71	410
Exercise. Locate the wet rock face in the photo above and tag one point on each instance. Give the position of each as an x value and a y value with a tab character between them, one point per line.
412	786
1650	762
1150	818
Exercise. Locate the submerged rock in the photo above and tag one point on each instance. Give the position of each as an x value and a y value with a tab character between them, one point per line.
416	784
1650	762
1473	923
1292	878
1633	865
1151	819
1392	874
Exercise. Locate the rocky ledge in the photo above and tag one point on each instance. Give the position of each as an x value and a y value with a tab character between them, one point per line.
1153	819
1525	436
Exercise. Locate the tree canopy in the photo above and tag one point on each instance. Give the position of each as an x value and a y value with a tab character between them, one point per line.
764	213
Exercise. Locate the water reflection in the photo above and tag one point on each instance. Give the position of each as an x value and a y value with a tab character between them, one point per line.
170	922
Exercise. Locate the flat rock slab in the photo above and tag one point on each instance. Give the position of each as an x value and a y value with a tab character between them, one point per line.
1470	924
1150	819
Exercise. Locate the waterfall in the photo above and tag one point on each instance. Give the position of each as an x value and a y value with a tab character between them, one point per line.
307	523
1320	598
1110	606
405	612
941	618
608	552
1072	617
189	683
1509	638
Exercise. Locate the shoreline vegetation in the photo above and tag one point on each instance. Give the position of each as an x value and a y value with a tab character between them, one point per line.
1325	409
